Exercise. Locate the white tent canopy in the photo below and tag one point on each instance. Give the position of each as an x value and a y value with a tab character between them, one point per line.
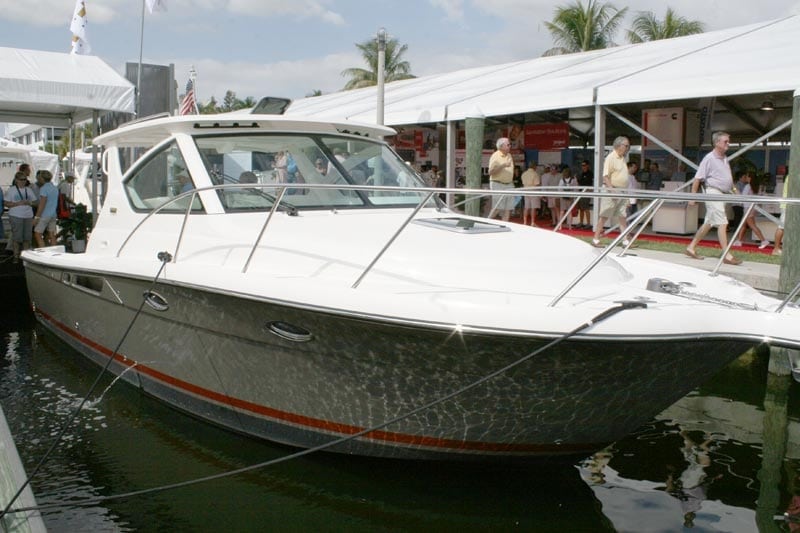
55	89
758	58
12	154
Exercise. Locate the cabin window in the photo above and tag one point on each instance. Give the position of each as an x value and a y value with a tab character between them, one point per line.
163	177
276	161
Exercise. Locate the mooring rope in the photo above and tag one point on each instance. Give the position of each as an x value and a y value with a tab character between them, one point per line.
165	258
621	306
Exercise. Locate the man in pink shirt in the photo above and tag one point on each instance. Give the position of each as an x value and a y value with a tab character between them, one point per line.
715	174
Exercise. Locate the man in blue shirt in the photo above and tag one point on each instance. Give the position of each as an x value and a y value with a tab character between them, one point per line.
45	219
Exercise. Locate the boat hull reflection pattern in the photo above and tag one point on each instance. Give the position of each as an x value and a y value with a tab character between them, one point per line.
212	355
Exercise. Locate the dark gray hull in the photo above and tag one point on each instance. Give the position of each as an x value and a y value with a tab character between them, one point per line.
212	355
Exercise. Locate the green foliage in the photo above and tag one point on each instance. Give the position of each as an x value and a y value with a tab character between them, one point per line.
83	138
578	27
229	103
395	68
77	226
646	27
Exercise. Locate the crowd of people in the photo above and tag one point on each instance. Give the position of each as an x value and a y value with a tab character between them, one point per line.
32	208
32	205
713	175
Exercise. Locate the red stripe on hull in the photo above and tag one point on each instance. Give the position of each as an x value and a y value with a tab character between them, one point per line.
417	441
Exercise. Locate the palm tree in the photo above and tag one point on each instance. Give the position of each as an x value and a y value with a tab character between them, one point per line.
578	28
646	27
396	69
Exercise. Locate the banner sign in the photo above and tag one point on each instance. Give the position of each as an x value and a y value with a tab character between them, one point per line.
547	136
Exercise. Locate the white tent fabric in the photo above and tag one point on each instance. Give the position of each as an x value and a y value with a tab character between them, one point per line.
749	59
12	154
50	88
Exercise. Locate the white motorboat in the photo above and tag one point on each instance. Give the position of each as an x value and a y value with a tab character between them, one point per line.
300	285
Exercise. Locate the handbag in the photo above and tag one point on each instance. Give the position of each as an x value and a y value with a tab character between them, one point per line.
62	210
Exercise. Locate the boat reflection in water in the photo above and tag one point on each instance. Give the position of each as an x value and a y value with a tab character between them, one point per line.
720	458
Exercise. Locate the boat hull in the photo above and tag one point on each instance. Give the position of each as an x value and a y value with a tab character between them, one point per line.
213	355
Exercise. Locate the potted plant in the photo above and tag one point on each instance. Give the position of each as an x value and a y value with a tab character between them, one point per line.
75	229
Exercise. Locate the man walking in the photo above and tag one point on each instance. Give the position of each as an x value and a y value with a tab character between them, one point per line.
715	174
615	176
501	177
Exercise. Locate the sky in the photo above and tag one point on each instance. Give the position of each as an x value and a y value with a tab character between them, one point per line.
290	48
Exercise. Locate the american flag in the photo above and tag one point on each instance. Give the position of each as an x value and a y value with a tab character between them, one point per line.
188	104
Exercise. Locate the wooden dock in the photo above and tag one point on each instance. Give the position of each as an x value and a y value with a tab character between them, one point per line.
12	476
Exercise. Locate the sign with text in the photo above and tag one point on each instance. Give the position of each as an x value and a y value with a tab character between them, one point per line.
547	136
666	125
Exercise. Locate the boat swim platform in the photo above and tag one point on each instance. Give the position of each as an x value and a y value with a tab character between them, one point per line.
12	476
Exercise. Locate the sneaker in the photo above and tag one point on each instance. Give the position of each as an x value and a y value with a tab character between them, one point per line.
627	244
763	244
737	243
777	251
596	243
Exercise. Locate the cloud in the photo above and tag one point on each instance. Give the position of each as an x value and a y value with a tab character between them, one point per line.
52	13
300	9
290	79
454	9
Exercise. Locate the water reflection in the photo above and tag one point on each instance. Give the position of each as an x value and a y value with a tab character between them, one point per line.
717	460
128	442
724	458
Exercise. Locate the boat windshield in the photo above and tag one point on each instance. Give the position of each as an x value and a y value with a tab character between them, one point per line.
277	159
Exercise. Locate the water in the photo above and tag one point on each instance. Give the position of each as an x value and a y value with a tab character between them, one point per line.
725	458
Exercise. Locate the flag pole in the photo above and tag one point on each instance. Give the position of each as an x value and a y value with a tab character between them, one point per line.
193	77
139	70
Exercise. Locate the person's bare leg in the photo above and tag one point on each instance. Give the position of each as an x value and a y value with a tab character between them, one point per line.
39	240
701	232
722	235
753	226
601	222
778	241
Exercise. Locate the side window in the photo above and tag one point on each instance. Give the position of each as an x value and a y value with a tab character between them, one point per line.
163	177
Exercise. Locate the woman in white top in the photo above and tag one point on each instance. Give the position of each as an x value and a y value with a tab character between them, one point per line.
747	190
19	198
567	180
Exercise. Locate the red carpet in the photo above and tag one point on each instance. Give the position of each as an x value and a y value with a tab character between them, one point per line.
709	242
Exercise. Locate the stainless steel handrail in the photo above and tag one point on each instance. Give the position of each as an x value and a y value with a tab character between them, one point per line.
391	240
646	214
596	260
276	203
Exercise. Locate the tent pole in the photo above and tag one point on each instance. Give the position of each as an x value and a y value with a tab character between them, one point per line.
450	168
71	146
94	167
139	70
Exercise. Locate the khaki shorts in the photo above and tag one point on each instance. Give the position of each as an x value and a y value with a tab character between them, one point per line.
715	211
46	224
502	203
613	207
